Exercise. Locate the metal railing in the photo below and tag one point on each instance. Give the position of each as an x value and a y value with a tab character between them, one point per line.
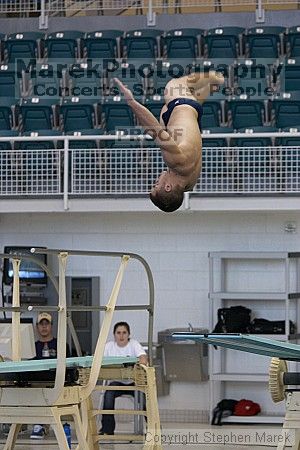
123	171
113	7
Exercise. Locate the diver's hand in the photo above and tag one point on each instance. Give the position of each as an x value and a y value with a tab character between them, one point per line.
124	89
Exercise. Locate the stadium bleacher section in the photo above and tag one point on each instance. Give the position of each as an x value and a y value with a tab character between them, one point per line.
64	80
62	83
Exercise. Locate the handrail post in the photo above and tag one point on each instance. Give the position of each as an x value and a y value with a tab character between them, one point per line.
16	331
151	15
66	174
43	18
259	12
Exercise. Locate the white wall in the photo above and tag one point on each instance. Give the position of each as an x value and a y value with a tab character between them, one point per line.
176	247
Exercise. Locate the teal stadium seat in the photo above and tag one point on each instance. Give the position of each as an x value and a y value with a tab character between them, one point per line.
35	114
223	42
123	144
212	114
84	80
245	113
6	114
23	46
45	82
213	108
264	42
117	114
7	145
90	142
289	78
102	44
251	142
285	110
215	142
10	81
293	41
292	141
63	44
40	145
141	44
253	77
182	43
77	114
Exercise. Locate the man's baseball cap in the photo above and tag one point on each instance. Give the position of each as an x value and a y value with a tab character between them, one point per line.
44	316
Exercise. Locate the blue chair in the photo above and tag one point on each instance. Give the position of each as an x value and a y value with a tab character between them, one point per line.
292	141
289	75
91	140
264	42
245	113
212	114
141	44
63	44
7	145
215	142
117	114
293	41
251	142
40	145
102	44
84	81
182	43
253	77
6	114
285	111
45	82
222	42
78	113
10	81
22	46
36	114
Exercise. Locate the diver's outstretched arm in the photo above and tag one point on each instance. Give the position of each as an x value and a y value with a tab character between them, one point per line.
151	126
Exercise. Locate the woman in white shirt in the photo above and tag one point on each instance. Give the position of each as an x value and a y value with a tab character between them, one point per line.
122	345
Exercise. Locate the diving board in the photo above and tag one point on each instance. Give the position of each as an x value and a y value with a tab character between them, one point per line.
48	364
245	343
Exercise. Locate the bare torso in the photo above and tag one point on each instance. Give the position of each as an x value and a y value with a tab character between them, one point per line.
183	127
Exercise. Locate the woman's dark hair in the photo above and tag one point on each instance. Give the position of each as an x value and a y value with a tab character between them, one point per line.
121	324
